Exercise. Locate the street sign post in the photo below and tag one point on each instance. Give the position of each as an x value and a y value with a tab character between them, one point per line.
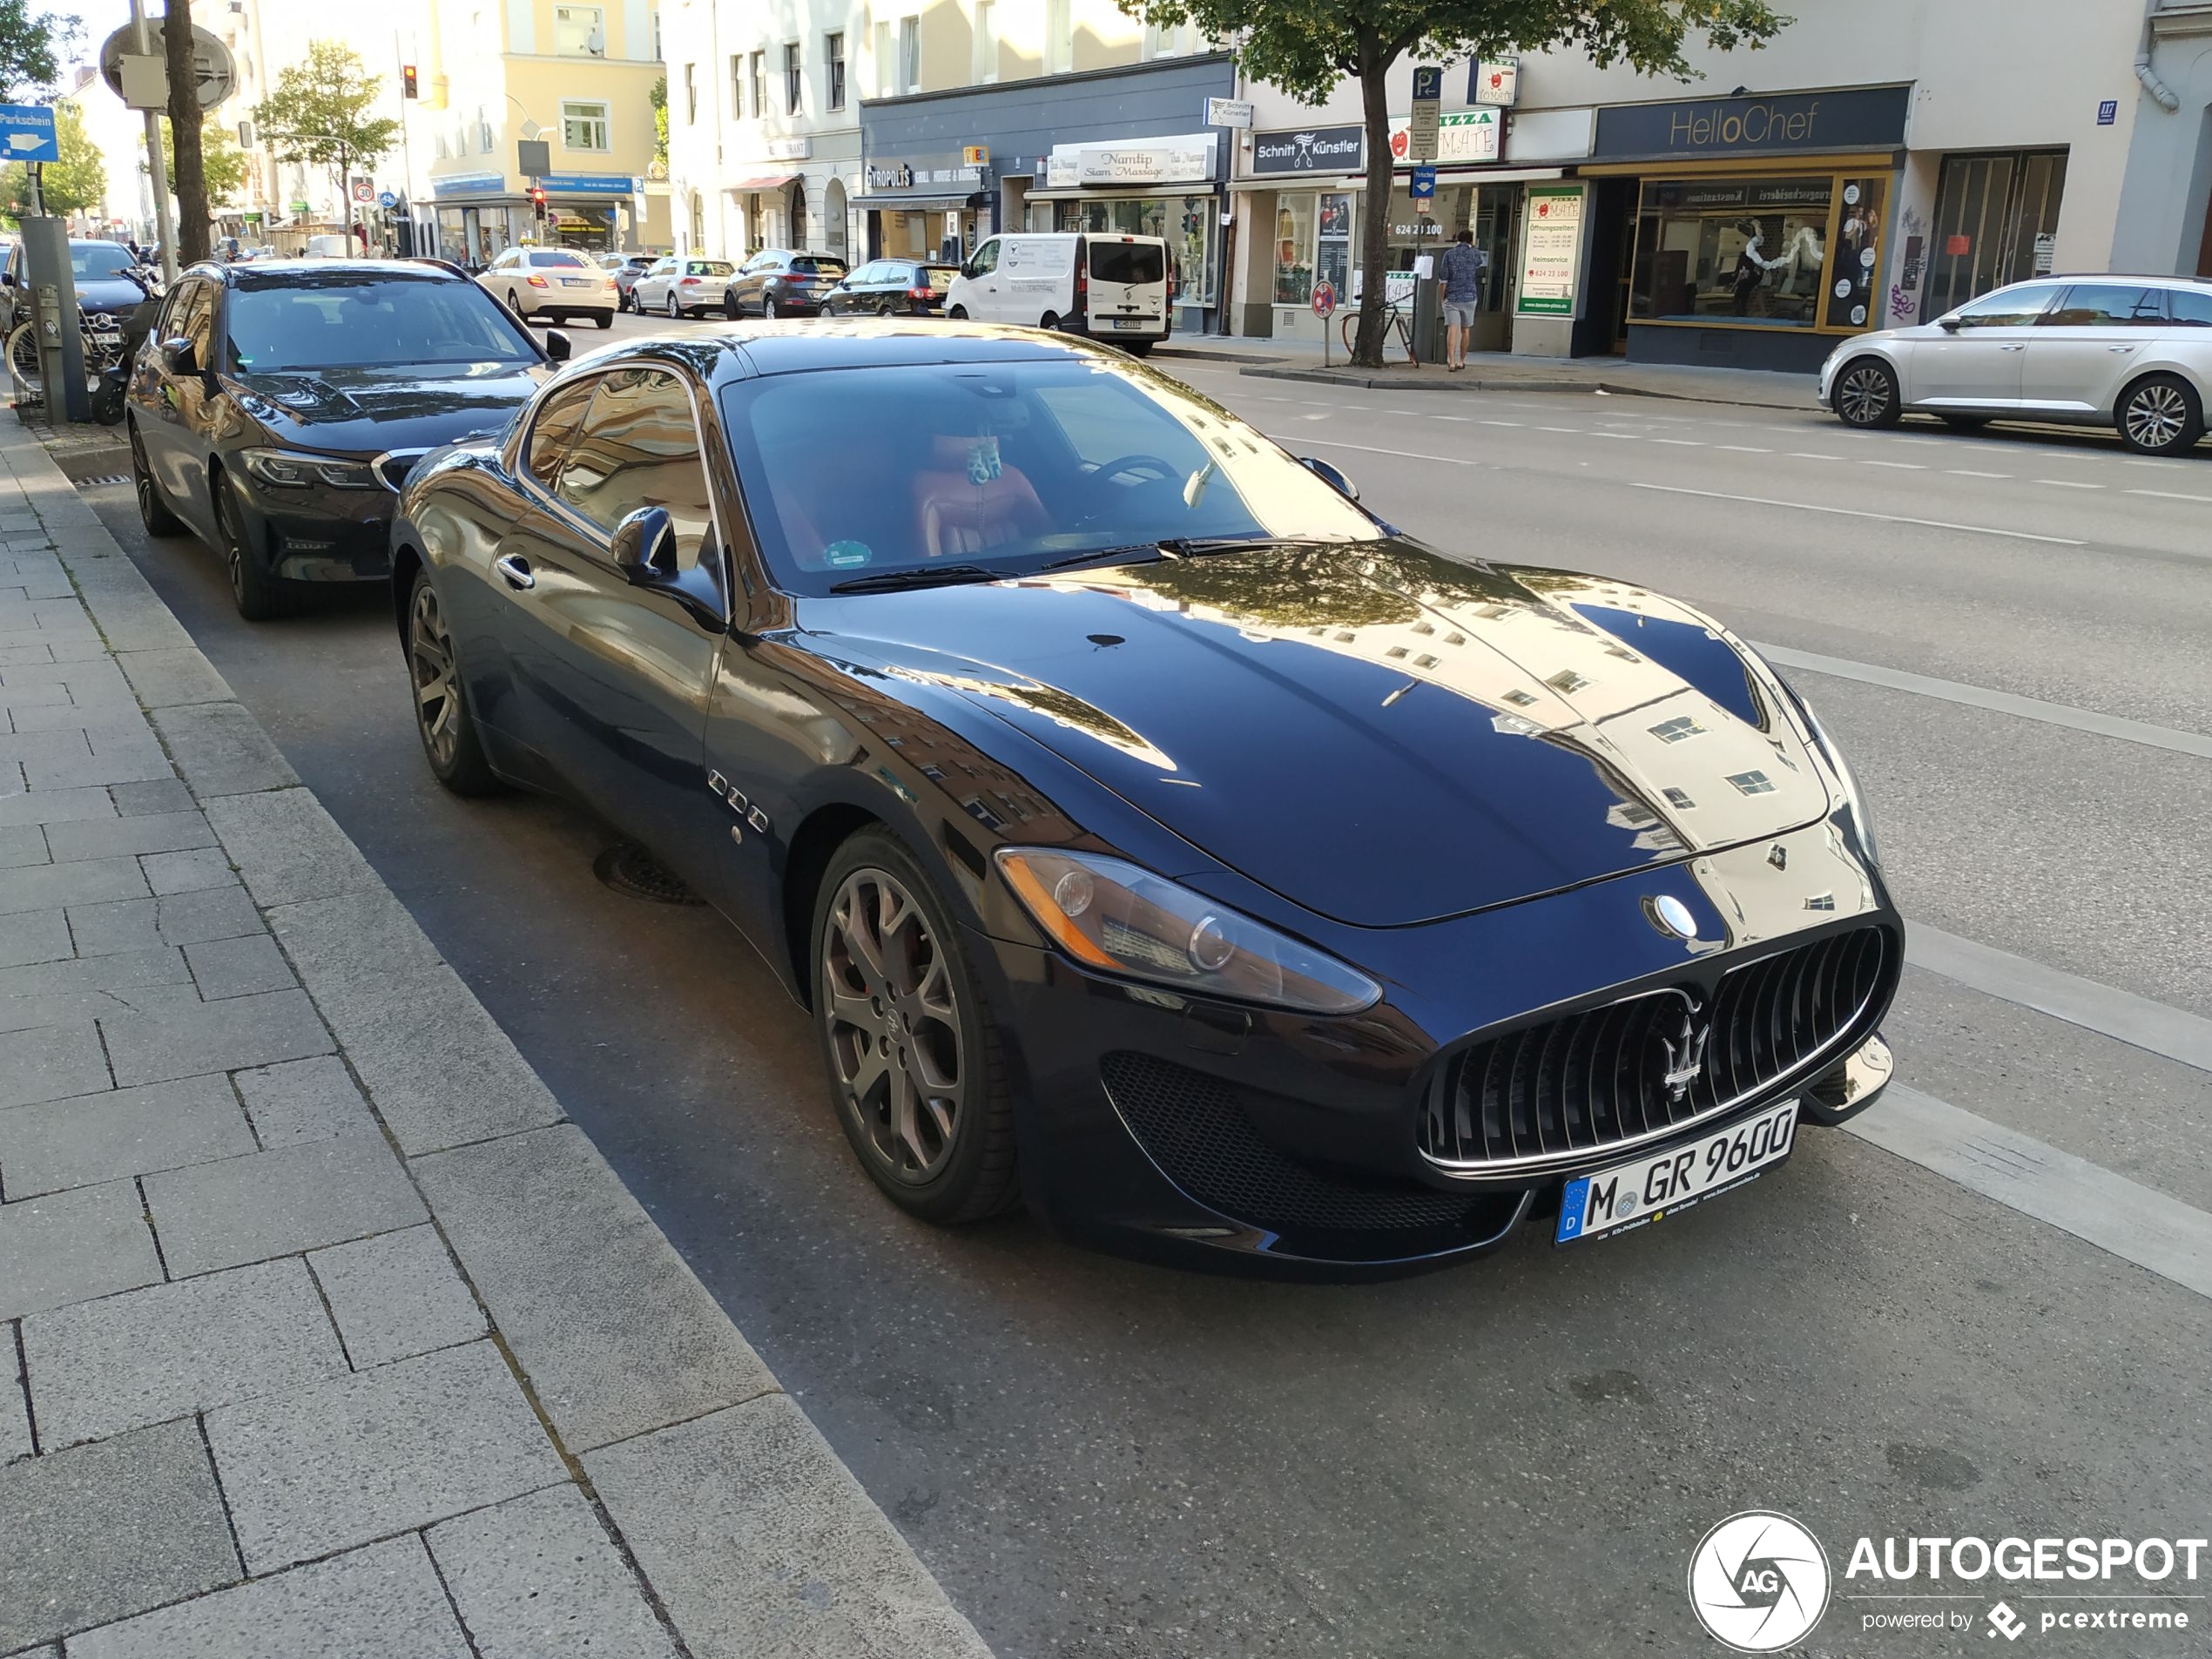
1428	110
27	133
1325	305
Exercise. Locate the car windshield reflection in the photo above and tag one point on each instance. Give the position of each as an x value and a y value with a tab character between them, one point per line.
1014	467
355	321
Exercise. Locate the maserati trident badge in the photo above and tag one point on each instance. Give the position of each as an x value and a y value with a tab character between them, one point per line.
1685	1052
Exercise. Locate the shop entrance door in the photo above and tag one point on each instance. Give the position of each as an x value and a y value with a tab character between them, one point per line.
1996	221
1497	227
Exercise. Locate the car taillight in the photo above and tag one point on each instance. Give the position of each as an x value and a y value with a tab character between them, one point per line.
538	282
687	282
1082	281
919	294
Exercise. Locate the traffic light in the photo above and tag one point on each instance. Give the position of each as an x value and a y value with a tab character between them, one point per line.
407	81
537	200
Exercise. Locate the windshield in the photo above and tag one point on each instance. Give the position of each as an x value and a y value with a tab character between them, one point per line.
354	321
815	265
1012	466
98	259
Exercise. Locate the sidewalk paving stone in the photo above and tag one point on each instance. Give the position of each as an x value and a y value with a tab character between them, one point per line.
100	1531
86	1139
162	795
753	1501
275	1203
116	971
247	966
21	844
51	805
190	872
129	837
176	1040
47	1061
341	1462
72	1246
94	881
121	765
30	936
179	919
287	849
168	678
304	1099
221	749
538	1576
396	1296
381	1602
124	1361
352	935
615	1332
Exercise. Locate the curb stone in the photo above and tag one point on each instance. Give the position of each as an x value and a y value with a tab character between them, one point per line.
603	1350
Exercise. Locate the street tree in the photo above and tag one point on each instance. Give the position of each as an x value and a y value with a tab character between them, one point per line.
1306	49
187	178
31	49
223	164
321	114
77	182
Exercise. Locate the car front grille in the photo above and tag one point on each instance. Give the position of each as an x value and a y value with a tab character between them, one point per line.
1196	1128
1639	1069
394	465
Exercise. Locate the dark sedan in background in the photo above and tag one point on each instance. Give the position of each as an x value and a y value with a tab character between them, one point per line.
892	288
1150	831
779	282
111	284
276	407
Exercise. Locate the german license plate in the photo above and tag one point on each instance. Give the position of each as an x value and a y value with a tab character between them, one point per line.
1629	1196
578	282
1129	322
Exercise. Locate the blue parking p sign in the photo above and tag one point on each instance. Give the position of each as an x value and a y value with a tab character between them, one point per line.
27	133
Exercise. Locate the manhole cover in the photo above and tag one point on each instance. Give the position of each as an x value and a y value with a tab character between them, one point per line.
630	870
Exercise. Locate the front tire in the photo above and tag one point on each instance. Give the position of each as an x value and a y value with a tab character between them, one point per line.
260	596
729	305
153	512
915	1070
1867	395
2160	415
441	718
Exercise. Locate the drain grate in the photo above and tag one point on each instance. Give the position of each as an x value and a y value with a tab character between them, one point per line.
104	479
630	870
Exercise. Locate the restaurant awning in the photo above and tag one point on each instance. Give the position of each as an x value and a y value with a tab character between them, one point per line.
765	181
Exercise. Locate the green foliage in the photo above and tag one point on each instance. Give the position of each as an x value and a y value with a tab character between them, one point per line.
1307	47
319	111
31	49
74	183
660	127
222	163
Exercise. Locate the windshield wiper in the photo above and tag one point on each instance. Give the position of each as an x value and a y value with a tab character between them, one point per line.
1181	547
920	576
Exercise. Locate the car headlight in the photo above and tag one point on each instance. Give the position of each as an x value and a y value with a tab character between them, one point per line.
1853	795
1118	919
295	469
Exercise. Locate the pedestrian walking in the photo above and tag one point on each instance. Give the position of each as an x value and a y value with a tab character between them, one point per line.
1461	272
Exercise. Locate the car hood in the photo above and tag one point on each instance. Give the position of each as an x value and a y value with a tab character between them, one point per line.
1378	733
365	411
117	294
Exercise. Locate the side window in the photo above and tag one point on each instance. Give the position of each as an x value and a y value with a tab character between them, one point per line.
506	261
2192	306
662	267
2107	305
2007	308
638	448
553	429
173	309
987	258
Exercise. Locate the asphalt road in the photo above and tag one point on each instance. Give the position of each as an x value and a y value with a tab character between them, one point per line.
1513	1458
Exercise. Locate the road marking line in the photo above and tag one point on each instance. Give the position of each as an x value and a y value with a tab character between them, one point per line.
2064	484
2172	1032
1686	443
1374	449
1806	454
1854	512
1505	423
2026	708
1902	466
1572	431
2134	1222
1744	448
2169	495
1451	417
1962	472
1633	437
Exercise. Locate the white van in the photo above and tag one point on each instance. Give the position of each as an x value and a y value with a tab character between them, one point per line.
1109	287
329	247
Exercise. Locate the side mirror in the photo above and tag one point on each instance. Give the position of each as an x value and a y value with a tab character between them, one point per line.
177	355
1332	476
645	545
1949	325
556	346
6	278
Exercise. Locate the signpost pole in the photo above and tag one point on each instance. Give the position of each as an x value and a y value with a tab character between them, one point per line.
164	221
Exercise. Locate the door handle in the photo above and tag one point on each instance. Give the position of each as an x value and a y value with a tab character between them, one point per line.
2119	348
516	570
2021	346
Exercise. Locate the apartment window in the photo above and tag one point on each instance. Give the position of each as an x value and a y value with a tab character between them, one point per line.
584	126
910	54
484	130
792	87
885	86
579	31
690	94
987	41
833	55
760	84
737	85
1059	37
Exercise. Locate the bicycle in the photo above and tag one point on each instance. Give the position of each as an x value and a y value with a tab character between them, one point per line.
1395	321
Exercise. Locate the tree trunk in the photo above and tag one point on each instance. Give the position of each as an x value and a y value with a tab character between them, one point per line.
187	176
1374	205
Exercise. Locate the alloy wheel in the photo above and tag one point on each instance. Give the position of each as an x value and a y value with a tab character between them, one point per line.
674	310
1864	397
768	308
2156	416
892	1016
429	655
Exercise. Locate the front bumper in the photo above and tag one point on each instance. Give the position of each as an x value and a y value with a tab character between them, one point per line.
318	534
1204	1133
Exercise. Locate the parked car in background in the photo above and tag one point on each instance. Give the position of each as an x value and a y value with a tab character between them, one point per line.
891	289
111	285
1106	286
779	282
681	286
558	284
2128	352
277	408
626	269
1006	764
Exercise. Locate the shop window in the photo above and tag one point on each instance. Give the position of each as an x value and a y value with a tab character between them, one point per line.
1735	250
584	126
1332	246
579	31
1185	223
1852	299
1294	249
1996	221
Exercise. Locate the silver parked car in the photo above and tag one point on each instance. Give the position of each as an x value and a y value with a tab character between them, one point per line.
2132	353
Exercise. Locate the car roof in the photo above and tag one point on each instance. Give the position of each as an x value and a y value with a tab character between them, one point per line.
2115	276
270	273
742	351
